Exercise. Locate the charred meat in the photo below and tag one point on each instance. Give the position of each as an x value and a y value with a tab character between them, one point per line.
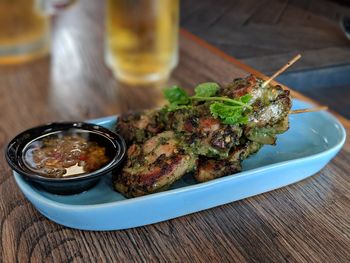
210	168
153	166
210	133
136	127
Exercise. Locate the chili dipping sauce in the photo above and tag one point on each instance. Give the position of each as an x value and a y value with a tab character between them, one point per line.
61	155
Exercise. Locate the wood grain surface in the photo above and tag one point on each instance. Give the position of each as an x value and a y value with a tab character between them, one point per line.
305	222
267	33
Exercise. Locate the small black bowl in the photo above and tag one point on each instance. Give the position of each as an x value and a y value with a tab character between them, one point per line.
113	142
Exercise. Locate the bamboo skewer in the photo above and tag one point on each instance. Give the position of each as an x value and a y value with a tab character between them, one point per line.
281	70
321	108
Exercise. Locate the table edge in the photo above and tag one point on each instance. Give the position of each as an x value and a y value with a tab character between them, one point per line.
186	34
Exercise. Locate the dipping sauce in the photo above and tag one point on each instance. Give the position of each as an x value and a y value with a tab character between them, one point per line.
65	155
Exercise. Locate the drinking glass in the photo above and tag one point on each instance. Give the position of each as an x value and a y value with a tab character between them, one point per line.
25	28
142	39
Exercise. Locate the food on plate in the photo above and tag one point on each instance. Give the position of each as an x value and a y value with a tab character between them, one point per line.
138	126
60	155
208	134
154	165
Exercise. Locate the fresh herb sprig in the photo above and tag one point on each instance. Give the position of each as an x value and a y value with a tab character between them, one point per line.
230	111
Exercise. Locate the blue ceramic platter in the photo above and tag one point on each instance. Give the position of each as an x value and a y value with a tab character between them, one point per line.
311	142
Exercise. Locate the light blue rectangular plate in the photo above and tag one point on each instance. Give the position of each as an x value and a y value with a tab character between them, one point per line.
311	142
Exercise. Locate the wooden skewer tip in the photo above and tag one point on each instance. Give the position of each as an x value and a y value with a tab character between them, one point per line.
321	108
281	70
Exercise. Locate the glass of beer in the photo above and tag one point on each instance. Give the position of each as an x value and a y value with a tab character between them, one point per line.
25	28
142	39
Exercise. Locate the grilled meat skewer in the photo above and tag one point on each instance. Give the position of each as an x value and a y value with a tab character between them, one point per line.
209	168
137	127
195	140
153	166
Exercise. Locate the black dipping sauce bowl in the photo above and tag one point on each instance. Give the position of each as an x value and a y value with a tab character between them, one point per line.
113	143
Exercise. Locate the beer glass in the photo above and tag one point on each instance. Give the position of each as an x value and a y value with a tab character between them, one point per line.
25	28
142	39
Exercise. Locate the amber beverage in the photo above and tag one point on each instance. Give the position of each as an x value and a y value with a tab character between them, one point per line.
142	39
24	31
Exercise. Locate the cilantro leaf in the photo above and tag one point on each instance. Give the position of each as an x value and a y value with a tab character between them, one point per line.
246	98
228	110
235	120
227	113
206	89
176	95
222	110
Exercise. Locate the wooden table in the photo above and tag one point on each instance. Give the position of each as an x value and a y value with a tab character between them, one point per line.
268	33
305	222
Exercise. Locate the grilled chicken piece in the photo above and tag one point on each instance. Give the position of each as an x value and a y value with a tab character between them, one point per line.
271	105
202	133
242	86
269	117
253	86
271	108
153	166
209	169
167	144
267	134
140	126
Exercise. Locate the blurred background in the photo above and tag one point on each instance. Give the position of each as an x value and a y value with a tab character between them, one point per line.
138	43
265	34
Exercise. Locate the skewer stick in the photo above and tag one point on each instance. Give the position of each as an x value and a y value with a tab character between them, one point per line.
308	110
281	70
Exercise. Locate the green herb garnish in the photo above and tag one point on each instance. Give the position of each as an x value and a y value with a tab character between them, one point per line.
206	89
227	113
176	95
230	111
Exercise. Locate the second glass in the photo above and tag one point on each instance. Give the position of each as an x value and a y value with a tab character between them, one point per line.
142	39
25	28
